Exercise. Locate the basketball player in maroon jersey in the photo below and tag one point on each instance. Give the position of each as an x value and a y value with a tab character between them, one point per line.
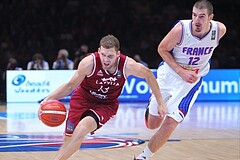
97	84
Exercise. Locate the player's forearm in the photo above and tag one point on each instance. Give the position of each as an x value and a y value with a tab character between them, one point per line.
168	58
151	80
61	92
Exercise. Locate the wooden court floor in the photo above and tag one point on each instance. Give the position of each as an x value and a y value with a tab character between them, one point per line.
211	131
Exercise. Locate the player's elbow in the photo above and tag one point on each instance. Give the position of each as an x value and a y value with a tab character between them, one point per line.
161	49
148	74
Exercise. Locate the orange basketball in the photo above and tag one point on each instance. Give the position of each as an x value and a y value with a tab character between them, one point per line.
52	113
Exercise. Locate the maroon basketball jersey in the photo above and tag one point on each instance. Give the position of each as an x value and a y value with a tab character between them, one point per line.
102	86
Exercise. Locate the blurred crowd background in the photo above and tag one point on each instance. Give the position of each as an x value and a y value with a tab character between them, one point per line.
30	27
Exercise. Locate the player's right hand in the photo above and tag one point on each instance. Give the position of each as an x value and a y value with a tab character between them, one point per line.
188	76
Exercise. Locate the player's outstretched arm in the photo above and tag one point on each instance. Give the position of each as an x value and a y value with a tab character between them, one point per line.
84	69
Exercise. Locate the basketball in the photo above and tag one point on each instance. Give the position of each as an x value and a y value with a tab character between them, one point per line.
52	113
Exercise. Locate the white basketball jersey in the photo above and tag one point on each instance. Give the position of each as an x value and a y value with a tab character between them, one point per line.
194	53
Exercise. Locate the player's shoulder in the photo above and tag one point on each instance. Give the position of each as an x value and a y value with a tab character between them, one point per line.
88	60
86	65
178	26
221	25
89	57
222	28
218	23
130	64
183	23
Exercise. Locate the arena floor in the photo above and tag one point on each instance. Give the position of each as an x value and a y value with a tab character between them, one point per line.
211	131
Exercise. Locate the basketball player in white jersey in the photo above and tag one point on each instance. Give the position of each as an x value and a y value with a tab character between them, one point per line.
186	51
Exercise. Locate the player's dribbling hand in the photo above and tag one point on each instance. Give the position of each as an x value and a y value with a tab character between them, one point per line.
39	112
39	109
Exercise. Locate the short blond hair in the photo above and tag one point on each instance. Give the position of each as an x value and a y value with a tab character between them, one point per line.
110	41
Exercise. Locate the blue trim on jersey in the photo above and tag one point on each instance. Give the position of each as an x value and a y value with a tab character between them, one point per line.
184	104
182	35
176	22
160	64
218	33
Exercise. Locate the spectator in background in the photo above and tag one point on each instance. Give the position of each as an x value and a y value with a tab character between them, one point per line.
12	65
80	54
38	63
62	61
138	59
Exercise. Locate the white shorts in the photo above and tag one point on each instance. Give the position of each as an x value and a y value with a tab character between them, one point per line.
177	94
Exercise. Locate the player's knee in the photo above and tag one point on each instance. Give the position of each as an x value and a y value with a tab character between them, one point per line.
80	133
151	126
154	123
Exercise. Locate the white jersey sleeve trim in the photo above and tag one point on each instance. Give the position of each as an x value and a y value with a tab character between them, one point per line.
94	65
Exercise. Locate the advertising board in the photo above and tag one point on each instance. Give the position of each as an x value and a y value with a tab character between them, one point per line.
33	86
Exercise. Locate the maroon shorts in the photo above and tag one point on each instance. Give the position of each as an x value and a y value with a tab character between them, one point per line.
103	112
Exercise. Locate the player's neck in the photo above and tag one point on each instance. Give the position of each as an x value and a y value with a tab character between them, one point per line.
203	32
114	67
112	70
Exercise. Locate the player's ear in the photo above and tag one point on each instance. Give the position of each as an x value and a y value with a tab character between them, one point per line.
211	16
118	53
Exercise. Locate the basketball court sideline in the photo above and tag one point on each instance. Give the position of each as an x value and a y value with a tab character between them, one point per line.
210	131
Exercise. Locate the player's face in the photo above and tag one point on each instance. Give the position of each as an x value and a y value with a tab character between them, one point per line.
201	20
108	57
